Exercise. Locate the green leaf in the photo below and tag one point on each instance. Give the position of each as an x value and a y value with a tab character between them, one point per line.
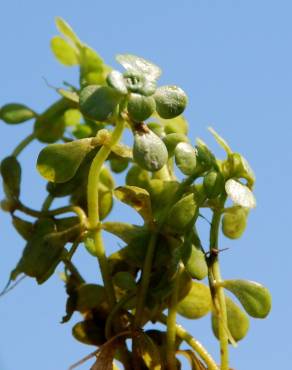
182	214
89	332
105	203
64	52
157	128
220	141
106	180
185	158
234	221
140	107
50	126
254	297
197	303
140	65
119	165
137	198
125	231
90	296
69	95
136	176
24	228
196	263
93	71
98	102
42	253
124	280
171	101
240	194
11	173
59	162
72	117
237	321
174	125
65	29
149	352
149	151
15	113
237	166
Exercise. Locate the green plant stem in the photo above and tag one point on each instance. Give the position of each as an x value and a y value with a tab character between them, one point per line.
171	324
94	173
114	311
145	278
220	304
193	343
93	207
54	212
47	203
142	292
24	143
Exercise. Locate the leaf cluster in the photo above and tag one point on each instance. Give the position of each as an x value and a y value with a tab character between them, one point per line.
162	263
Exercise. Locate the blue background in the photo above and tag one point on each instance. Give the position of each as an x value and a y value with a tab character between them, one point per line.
234	59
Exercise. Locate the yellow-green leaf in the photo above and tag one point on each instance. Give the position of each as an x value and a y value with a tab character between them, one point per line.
65	29
197	302
254	297
137	198
60	162
64	52
238	322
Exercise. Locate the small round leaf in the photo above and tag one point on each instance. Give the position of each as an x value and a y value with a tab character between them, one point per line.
254	297
64	52
197	303
234	222
14	113
11	173
59	162
237	321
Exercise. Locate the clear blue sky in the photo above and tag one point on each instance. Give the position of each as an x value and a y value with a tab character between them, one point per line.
234	60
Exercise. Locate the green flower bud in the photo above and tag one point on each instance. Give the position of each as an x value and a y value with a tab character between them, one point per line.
140	107
213	184
170	101
116	80
185	158
149	151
